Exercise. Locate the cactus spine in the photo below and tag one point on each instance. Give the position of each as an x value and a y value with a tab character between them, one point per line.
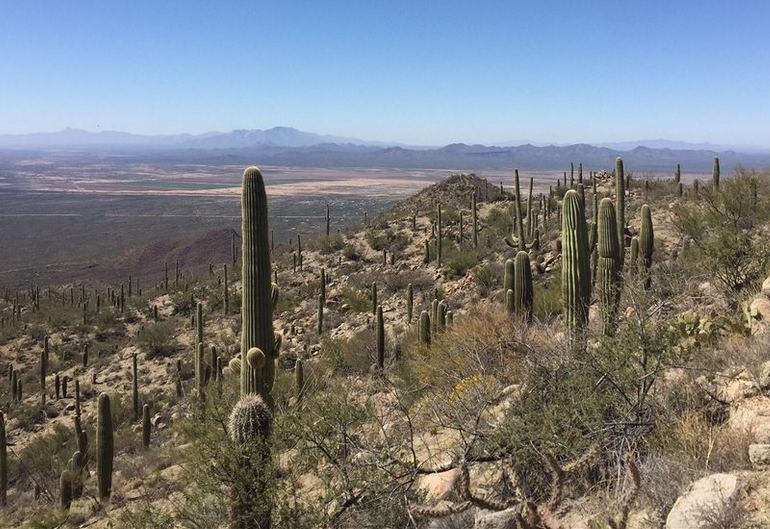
646	242
608	265
259	295
620	194
576	275
104	447
523	286
425	328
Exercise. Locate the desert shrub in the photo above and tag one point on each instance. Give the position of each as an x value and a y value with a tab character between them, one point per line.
388	239
158	339
350	253
326	245
183	303
357	300
724	230
458	262
350	355
398	281
485	279
547	302
28	413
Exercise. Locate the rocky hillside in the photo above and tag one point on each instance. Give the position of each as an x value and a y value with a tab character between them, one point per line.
574	373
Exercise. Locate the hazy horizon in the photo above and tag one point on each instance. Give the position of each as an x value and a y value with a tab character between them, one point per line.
489	73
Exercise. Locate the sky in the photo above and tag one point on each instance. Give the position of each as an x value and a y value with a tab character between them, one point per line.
415	71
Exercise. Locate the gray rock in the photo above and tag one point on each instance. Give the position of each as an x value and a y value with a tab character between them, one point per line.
759	455
708	497
495	520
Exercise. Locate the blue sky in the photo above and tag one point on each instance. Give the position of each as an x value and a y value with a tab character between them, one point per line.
420	72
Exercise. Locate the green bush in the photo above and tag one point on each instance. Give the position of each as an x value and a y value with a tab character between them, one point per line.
158	339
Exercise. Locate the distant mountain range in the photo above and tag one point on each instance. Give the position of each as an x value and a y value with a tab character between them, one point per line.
289	146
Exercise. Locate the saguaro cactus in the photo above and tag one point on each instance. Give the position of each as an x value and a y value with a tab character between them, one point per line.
299	377
146	426
425	328
439	238
380	339
510	302
475	222
646	242
320	327
523	286
715	175
677	174
520	242
3	463
250	426
576	274
104	447
608	265
135	386
409	302
259	295
508	275
620	196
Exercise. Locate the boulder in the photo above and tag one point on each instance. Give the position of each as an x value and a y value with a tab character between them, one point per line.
766	287
438	486
759	455
707	498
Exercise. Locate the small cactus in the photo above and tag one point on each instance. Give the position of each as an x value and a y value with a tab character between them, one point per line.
508	275
634	256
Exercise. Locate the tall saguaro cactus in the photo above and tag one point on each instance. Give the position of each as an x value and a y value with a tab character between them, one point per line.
380	339
3	463
520	244
575	274
104	447
475	222
439	239
259	294
425	328
608	265
620	196
523	286
409	302
715	175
